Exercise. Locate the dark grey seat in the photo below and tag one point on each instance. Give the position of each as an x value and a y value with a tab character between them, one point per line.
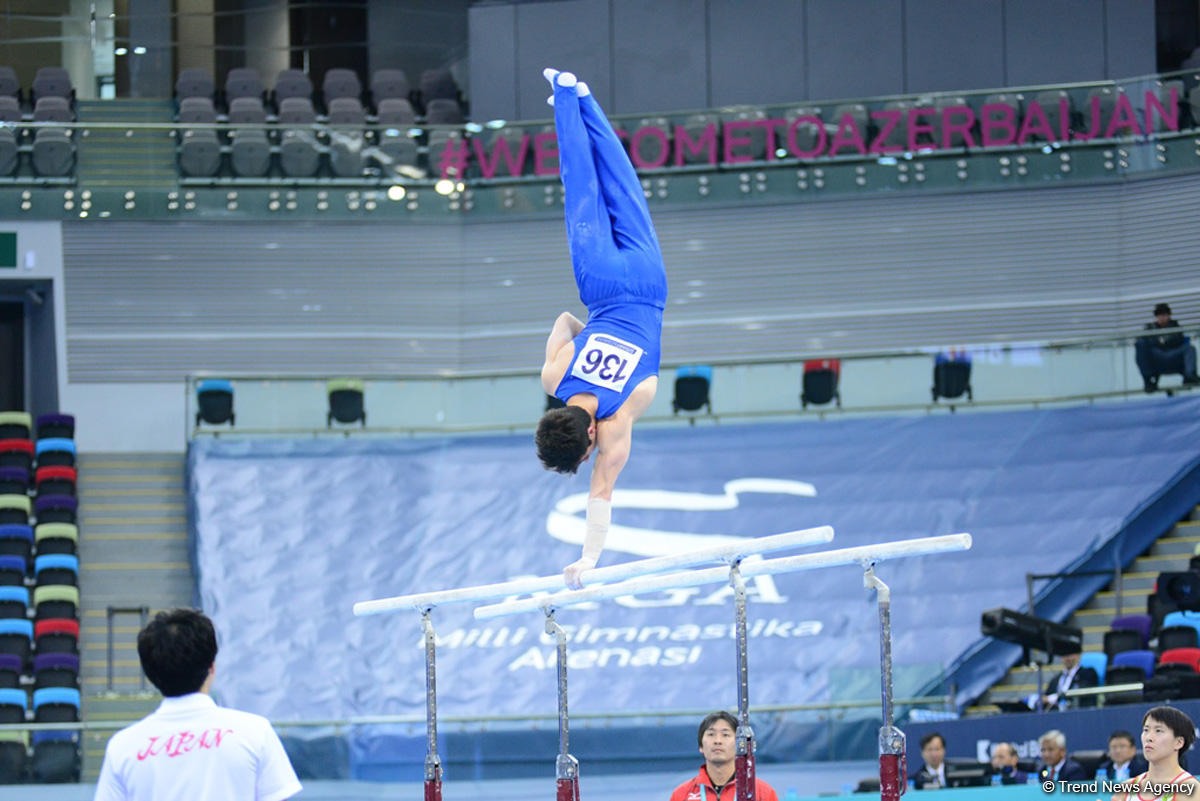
346	122
443	111
250	148
339	83
194	82
1050	101
199	153
291	83
299	151
197	110
53	109
438	84
10	114
858	113
396	119
53	152
757	147
9	85
242	82
396	111
52	82
389	84
10	109
695	126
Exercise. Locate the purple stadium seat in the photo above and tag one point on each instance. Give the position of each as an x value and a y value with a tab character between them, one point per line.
55	508
56	670
10	671
1138	623
13	481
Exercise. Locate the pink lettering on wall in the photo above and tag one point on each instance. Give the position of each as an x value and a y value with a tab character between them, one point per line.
816	127
963	126
733	141
1035	122
998	117
847	134
705	145
182	742
1123	116
545	154
501	150
886	120
1169	115
636	152
916	128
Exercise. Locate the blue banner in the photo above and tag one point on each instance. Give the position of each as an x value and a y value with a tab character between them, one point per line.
289	534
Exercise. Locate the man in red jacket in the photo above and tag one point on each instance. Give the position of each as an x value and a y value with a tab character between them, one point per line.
715	782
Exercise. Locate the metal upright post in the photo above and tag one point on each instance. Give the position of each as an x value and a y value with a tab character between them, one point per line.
744	770
433	763
566	767
893	767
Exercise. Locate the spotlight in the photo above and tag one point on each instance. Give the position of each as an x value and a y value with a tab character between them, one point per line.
396	192
444	187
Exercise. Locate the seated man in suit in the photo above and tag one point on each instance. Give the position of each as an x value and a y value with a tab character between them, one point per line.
1073	676
1004	764
932	774
1055	765
1123	762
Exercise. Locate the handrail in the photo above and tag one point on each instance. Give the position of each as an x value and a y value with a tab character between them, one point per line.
375	720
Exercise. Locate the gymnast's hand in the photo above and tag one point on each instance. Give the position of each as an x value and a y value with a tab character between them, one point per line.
573	571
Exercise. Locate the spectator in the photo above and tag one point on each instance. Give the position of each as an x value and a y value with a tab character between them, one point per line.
1165	353
190	749
1123	761
717	738
932	774
1055	765
1072	676
1004	764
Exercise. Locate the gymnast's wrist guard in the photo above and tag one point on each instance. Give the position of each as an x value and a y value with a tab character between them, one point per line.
599	517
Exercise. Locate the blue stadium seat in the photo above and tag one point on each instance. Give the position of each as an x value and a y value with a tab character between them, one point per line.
16	637
56	705
13	704
692	387
16	541
55	451
1182	619
14	602
58	568
1139	659
1096	661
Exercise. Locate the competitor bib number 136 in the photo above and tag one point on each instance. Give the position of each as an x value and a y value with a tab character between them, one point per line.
607	362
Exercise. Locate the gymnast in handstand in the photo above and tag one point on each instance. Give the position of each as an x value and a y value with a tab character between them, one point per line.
605	371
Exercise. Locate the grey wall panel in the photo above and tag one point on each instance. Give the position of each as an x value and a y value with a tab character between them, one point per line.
1130	42
756	52
573	36
154	301
949	44
1053	41
855	48
492	33
660	56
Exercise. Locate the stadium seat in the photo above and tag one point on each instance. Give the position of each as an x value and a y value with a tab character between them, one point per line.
957	138
553	403
55	426
56	508
898	135
199	153
1187	656
1170	637
291	83
52	82
13	481
1138	622
55	451
299	151
53	109
649	149
14	756
1124	674
951	376
250	148
806	136
10	152
9	85
1137	658
1117	641
53	153
1181	618
819	384
340	83
10	671
14	602
858	113
1090	759
345	401
55	757
16	637
389	84
396	111
56	705
692	386
347	121
1049	100
56	635
56	568
242	82
15	509
194	82
198	110
1173	668
438	84
10	110
16	453
13	568
441	111
1163	93
214	402
396	118
56	602
13	704
55	670
55	480
16	425
1104	98
56	538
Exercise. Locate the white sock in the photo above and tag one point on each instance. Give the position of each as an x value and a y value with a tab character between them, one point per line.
582	90
566	79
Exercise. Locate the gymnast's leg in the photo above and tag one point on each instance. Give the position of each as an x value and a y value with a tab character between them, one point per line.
619	182
589	232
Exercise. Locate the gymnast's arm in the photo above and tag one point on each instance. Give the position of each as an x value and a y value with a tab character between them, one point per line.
565	329
613	438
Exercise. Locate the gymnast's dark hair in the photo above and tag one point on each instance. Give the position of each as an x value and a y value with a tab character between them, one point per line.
176	649
562	438
1175	720
710	720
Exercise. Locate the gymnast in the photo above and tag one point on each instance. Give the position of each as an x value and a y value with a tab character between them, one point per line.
605	371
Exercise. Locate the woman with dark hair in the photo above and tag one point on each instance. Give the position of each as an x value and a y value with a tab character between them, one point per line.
1166	733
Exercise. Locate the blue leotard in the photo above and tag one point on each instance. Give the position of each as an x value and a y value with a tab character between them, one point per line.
615	255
